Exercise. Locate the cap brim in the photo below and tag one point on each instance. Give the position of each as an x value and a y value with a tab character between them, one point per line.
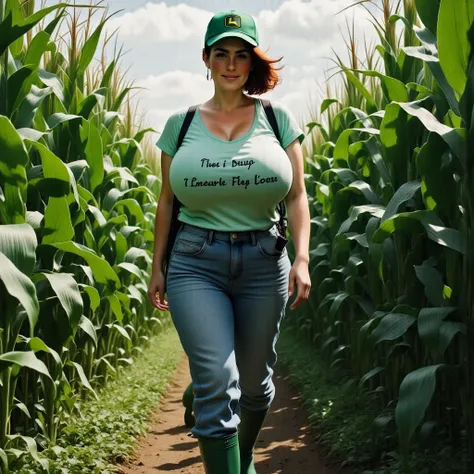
235	34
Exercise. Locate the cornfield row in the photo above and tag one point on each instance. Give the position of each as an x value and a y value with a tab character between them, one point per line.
390	178
77	207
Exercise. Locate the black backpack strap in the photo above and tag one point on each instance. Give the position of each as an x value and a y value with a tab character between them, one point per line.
175	224
187	122
267	106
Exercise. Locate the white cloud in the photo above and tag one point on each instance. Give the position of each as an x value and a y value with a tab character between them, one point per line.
158	22
175	84
171	91
294	19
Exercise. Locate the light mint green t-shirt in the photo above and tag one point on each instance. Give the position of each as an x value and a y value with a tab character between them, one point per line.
231	185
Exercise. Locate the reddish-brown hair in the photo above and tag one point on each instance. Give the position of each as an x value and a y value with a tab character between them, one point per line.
264	76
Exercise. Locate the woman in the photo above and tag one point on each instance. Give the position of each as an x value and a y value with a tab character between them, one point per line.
228	283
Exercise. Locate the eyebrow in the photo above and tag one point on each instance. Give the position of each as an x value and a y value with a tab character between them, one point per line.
227	51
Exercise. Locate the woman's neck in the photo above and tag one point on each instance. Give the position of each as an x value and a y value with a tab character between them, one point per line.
228	101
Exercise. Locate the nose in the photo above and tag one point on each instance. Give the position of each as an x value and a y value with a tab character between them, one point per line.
231	65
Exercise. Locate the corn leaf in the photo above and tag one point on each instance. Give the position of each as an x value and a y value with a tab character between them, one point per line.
92	293
428	11
32	450
19	84
433	282
452	136
88	327
435	332
102	271
83	378
96	98
391	327
10	30
18	243
327	103
373	209
416	392
414	221
23	359
51	80
59	118
394	90
89	48
371	105
439	184
24	115
13	160
454	21
66	289
134	209
115	307
402	195
20	287
372	373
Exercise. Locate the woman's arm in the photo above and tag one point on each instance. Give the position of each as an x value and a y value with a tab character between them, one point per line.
162	227
299	224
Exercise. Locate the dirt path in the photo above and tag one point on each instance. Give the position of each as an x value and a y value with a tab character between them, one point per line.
285	445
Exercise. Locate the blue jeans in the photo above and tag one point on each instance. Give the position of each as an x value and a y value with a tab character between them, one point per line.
227	294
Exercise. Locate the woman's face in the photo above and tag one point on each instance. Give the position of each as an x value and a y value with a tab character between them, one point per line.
230	63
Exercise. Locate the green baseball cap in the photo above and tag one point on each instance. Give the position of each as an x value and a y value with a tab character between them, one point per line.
231	23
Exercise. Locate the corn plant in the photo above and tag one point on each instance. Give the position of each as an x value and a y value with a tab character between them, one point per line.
77	207
389	191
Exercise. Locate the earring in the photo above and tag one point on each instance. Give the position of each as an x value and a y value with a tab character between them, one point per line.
207	75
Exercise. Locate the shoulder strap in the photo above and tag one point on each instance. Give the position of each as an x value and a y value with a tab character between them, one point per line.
187	122
267	106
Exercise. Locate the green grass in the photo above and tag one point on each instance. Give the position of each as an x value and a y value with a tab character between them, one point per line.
342	415
108	429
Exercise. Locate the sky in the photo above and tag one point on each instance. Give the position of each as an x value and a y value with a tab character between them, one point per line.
163	42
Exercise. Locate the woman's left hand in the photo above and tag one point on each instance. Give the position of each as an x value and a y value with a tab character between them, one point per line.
299	275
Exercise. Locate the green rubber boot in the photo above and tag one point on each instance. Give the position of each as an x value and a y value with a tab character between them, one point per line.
187	400
249	429
220	456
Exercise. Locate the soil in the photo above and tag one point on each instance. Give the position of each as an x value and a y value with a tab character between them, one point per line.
285	445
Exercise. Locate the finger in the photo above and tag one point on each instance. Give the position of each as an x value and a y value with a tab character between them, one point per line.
161	303
161	294
299	297
291	286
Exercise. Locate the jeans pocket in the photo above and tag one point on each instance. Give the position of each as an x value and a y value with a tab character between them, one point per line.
267	246
189	244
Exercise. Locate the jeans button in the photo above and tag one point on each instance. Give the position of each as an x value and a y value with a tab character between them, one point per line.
235	235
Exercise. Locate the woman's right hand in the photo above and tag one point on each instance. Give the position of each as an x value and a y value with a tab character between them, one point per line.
156	291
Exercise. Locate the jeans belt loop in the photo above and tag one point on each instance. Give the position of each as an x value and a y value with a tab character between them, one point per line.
210	235
254	238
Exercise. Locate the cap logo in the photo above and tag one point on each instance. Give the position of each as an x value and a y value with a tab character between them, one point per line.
232	21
